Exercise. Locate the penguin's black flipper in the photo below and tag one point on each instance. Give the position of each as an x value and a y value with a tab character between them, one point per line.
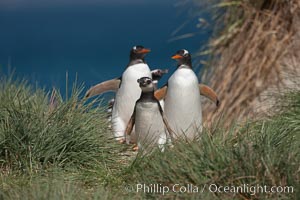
209	93
130	124
161	93
106	86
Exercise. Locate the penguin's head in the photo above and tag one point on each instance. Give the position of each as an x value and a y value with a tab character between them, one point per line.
138	52
146	84
183	57
158	73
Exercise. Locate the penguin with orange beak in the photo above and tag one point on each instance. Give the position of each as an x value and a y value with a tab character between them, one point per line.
182	97
127	90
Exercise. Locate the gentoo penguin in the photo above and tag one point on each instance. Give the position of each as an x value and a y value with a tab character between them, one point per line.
148	118
156	76
127	88
182	98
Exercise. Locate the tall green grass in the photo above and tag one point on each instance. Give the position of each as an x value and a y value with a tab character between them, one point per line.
67	152
34	137
258	153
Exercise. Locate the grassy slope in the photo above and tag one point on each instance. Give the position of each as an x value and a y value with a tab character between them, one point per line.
263	152
67	153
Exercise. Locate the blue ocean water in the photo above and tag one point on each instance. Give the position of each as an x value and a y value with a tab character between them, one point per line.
44	41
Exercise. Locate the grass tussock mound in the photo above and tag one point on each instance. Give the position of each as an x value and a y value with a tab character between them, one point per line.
252	42
35	137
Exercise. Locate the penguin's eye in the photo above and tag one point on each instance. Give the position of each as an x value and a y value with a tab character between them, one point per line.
180	52
148	81
137	48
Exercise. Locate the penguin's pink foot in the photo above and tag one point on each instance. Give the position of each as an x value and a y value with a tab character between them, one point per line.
135	148
122	141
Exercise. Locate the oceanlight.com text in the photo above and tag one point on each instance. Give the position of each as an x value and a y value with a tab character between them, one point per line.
212	188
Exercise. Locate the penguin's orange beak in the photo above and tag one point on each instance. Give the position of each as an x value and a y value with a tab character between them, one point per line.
144	50
177	56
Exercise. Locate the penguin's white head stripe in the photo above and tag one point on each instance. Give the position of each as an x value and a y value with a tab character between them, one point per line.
185	52
137	47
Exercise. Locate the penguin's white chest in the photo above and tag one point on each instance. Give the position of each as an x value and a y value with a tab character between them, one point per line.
149	125
182	103
126	96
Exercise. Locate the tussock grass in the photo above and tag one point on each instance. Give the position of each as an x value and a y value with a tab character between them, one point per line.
66	152
255	49
259	153
34	137
53	188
